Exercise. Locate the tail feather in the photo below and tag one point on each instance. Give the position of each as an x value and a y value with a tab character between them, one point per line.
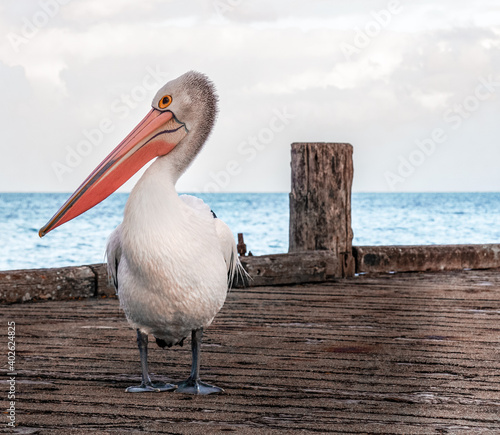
236	271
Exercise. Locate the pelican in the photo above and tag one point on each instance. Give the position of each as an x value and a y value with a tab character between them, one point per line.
171	260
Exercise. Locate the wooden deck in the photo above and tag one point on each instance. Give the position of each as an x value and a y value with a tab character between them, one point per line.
410	353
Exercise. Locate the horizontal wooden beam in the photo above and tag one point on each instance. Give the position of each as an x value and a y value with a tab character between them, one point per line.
425	258
292	268
47	284
266	270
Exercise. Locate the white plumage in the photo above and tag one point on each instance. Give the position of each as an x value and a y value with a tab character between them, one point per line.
172	264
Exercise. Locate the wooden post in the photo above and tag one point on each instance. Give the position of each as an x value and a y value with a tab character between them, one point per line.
320	201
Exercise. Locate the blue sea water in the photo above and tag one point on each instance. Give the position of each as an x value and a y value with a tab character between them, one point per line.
377	219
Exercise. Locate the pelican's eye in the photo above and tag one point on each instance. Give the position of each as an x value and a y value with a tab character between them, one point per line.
165	102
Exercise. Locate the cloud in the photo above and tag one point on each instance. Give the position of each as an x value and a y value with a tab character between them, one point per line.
384	97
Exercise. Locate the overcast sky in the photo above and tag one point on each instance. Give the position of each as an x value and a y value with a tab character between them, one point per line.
413	87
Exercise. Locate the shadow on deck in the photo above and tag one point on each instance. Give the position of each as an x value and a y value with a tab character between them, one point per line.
406	353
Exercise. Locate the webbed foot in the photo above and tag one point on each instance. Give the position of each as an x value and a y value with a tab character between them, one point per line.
152	387
191	386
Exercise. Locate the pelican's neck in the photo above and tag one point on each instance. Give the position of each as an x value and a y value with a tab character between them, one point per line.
156	186
179	159
152	215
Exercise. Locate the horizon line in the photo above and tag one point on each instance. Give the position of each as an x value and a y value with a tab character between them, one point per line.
262	192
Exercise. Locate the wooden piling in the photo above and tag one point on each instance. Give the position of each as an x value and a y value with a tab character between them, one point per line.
241	247
320	201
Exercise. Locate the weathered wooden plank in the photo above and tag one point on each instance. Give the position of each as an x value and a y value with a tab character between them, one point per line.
426	258
390	354
47	284
320	201
293	268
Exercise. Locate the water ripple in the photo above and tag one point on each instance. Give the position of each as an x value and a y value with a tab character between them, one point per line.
377	219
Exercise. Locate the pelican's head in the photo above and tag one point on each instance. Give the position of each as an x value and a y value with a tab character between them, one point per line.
190	97
182	116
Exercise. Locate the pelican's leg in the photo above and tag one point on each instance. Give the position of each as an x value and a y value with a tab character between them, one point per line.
147	385
193	385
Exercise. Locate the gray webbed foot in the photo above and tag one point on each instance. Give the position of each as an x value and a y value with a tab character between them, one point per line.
191	386
152	387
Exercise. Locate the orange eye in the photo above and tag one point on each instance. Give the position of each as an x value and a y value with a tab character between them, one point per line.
165	102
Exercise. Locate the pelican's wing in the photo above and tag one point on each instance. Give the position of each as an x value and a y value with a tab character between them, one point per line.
226	238
228	248
113	256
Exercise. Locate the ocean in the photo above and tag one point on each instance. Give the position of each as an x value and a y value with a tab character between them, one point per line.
377	219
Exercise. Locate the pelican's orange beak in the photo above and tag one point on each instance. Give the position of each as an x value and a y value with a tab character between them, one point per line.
156	135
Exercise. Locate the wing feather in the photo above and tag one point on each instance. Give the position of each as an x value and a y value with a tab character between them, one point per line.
229	252
113	256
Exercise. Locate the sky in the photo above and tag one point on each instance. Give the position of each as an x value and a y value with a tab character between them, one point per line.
413	86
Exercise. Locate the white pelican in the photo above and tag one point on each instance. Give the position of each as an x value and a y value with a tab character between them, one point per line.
171	259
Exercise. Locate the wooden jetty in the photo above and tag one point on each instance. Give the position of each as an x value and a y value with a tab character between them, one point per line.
407	353
328	338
